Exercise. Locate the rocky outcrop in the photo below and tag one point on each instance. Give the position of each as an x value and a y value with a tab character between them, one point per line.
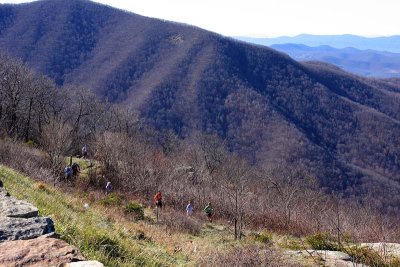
330	258
19	219
38	252
24	228
11	207
29	240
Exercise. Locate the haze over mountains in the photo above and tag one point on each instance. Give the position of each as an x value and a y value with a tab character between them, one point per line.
363	62
389	44
343	128
373	57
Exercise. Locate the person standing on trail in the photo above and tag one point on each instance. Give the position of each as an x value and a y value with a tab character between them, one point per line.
108	188
84	151
75	168
68	172
158	199
209	211
189	209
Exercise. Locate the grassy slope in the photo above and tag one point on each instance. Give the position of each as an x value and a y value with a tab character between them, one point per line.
106	234
95	233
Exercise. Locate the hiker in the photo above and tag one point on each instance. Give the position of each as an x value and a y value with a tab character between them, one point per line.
209	212
68	172
158	199
84	151
189	209
75	168
108	188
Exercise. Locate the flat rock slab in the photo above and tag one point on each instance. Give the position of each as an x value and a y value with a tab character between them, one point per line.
11	207
328	254
21	228
84	264
330	258
38	252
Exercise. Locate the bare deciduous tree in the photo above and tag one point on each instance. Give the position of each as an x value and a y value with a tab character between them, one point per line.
56	140
235	184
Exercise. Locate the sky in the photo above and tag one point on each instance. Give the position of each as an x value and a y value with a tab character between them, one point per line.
272	18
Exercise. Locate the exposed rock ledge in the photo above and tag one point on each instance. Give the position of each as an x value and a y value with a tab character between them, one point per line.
29	240
329	258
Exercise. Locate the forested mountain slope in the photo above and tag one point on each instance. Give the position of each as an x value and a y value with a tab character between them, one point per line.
343	128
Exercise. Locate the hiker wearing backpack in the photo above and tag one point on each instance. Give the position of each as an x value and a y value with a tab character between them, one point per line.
108	188
209	211
158	199
75	168
189	209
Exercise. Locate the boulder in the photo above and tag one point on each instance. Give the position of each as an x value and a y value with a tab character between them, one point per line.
24	228
11	207
84	264
38	252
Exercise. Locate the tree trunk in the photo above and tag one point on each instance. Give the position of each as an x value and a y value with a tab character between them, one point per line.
236	214
28	123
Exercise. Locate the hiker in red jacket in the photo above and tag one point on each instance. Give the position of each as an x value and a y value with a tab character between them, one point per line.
158	199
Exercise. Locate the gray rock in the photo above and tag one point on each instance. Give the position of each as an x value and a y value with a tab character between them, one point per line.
331	258
3	193
331	255
11	207
21	228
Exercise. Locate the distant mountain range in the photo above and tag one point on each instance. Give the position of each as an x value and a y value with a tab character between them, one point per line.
363	62
389	44
344	129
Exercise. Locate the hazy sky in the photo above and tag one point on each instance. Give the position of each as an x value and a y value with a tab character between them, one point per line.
273	17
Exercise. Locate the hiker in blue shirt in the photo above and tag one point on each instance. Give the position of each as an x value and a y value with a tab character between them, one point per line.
189	209
68	172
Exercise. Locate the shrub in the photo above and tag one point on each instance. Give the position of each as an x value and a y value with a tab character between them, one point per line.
178	222
263	237
290	242
106	244
82	182
321	241
370	257
112	199
41	186
31	143
245	256
395	262
140	235
135	209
